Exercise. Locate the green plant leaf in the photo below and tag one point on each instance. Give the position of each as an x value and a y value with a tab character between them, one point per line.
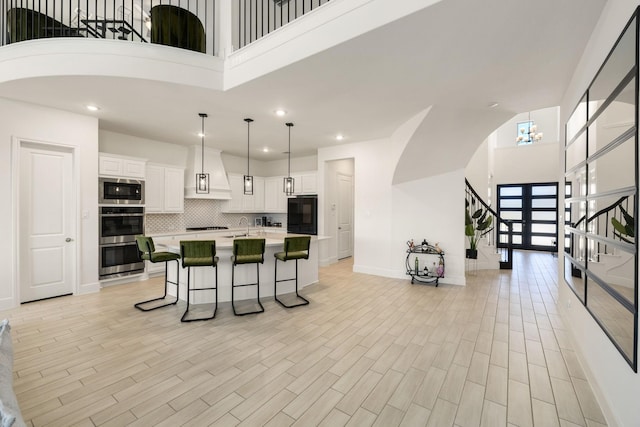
469	231
628	218
477	214
617	225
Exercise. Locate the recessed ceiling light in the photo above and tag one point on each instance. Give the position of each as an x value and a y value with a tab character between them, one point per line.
493	105
265	150
201	135
91	107
339	137
281	113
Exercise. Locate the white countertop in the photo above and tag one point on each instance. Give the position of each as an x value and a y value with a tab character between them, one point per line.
223	232
224	238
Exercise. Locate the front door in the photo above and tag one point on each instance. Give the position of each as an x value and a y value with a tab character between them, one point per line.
533	208
46	218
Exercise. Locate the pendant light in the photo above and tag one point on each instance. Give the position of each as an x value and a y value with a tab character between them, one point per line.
248	179
202	179
289	182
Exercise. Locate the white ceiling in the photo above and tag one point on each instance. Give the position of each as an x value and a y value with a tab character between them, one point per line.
456	53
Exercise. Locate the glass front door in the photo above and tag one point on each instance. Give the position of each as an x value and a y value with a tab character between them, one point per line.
533	208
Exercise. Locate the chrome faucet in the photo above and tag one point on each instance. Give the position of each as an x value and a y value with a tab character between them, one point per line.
247	221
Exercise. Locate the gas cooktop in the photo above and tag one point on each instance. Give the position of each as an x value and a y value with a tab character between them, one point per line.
212	227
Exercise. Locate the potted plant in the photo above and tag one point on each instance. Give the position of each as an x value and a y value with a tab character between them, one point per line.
476	225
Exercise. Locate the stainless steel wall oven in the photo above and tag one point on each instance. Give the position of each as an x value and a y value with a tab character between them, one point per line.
119	254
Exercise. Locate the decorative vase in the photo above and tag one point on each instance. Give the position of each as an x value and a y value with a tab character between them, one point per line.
472	253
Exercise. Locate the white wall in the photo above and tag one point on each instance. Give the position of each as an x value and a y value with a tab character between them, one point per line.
31	122
526	164
477	171
298	164
616	386
545	119
387	215
153	151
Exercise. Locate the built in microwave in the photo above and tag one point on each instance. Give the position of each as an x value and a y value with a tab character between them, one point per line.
120	191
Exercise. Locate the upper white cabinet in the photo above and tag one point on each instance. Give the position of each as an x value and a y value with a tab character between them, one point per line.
121	167
305	183
275	201
164	189
241	202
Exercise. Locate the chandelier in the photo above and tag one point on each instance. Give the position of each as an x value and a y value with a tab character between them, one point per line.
528	132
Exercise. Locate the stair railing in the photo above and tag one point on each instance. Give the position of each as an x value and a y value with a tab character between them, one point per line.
600	220
500	235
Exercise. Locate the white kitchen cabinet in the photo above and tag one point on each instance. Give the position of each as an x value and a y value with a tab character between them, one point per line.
235	203
241	202
164	189
305	183
258	194
121	167
275	201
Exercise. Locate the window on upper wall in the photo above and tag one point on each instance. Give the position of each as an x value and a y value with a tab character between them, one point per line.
523	133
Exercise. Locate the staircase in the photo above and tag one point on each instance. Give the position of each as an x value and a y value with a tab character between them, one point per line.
493	253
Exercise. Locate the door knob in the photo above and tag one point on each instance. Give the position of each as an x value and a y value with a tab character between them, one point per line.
68	239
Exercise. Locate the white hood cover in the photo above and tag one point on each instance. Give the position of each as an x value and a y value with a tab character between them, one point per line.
218	183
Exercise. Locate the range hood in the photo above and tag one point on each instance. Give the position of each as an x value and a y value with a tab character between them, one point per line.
218	182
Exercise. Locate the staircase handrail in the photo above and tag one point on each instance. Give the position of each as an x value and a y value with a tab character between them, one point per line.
508	264
483	203
601	211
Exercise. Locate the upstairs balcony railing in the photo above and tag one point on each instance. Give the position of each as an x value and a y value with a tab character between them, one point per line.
187	24
257	18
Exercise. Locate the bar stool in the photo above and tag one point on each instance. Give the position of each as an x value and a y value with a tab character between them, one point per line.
247	251
199	253
295	248
148	252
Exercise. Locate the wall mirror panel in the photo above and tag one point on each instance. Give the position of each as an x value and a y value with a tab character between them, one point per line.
615	119
578	214
578	249
575	278
577	151
577	120
615	170
618	321
601	168
620	61
578	181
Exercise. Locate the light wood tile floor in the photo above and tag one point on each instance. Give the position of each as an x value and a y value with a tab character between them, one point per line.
367	351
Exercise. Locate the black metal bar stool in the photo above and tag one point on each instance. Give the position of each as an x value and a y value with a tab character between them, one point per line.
247	251
295	248
148	252
199	253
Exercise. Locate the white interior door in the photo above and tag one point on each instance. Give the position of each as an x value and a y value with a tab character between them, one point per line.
345	216
46	223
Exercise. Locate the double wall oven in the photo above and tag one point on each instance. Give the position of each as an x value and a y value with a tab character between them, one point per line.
121	216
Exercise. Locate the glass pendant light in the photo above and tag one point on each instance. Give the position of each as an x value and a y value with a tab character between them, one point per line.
248	179
289	182
202	179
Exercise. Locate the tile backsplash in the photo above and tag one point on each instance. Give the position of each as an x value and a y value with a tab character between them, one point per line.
201	213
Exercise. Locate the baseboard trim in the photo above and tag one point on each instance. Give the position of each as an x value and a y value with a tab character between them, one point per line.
89	288
7	303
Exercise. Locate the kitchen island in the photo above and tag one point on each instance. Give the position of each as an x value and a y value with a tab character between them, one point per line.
202	277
